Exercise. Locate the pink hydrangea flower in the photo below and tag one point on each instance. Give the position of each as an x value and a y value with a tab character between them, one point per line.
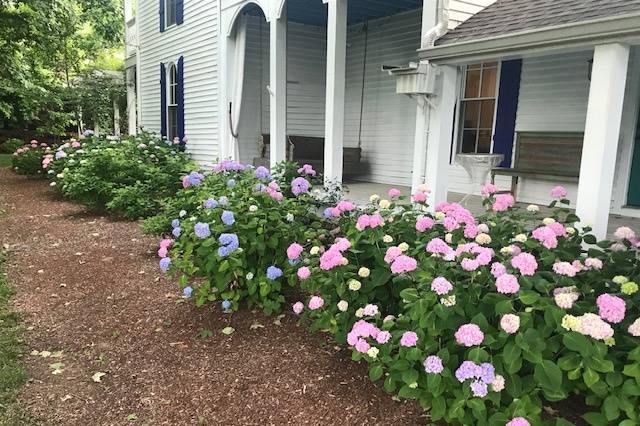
611	308
424	223
547	236
470	230
408	339
565	297
438	246
592	325
503	202
624	233
558	192
507	284
394	192
510	323
370	310
392	254
488	189
304	273
363	222
441	286
525	263
593	263
498	269
342	244
403	264
162	252
469	335
294	251
375	220
634	329
419	197
564	268
166	243
346	206
383	337
362	346
316	302
518	421
298	307
331	259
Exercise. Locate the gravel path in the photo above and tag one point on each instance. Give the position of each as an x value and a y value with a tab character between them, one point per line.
90	287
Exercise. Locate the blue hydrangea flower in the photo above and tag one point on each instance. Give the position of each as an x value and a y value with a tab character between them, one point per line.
479	388
259	188
165	262
176	232
175	223
328	212
210	204
262	173
273	272
226	305
227	217
202	230
223	201
231	183
187	292
228	244
487	372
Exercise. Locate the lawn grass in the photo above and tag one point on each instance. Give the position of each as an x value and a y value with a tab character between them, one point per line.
5	160
12	374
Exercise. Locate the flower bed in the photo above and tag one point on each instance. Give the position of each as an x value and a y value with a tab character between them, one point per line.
129	177
482	319
229	230
27	159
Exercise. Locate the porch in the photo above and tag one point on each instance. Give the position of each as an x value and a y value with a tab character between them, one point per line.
359	192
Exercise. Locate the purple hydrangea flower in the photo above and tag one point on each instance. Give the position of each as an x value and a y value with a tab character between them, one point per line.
176	232
299	186
202	230
175	223
210	204
165	262
262	173
227	217
187	292
231	183
487	372
328	212
223	201
226	305
433	364
467	370
259	188
273	272
479	388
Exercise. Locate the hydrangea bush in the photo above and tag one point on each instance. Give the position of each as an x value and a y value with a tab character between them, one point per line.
481	319
27	159
128	177
229	232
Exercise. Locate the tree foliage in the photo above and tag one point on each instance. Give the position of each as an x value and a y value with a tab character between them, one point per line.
50	48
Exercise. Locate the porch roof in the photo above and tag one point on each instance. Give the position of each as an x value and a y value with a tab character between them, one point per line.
314	12
514	26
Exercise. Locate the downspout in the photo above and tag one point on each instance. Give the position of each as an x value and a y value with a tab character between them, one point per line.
428	40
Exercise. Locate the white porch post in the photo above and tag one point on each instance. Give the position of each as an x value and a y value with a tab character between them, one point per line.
420	144
334	109
131	101
278	88
439	137
601	134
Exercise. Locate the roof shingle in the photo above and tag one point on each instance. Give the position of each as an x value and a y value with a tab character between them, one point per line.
512	16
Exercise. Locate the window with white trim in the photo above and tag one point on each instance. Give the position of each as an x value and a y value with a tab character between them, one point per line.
172	104
170	12
477	108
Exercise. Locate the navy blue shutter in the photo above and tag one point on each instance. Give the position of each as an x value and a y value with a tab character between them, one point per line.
506	110
162	18
163	100
179	12
180	98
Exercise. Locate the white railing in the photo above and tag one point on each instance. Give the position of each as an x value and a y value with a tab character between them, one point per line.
131	37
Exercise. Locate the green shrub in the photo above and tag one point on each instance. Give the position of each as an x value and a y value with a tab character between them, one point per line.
10	146
482	320
28	159
231	229
128	177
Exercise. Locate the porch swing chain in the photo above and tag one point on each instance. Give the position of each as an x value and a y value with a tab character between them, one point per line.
365	28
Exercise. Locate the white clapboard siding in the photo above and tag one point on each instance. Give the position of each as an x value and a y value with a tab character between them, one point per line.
461	10
197	40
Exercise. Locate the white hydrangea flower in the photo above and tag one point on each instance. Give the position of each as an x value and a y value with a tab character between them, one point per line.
343	305
533	208
387	239
548	220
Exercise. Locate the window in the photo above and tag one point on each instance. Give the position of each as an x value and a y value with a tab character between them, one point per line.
172	105
478	107
170	10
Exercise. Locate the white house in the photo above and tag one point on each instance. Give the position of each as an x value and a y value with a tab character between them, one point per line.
318	81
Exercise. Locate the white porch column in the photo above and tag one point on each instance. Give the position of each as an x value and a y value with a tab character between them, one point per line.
131	101
278	88
601	134
334	109
420	144
439	136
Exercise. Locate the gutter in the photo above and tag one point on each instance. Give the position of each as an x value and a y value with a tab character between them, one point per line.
622	28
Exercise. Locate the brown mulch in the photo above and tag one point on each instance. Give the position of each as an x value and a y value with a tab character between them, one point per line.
90	287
